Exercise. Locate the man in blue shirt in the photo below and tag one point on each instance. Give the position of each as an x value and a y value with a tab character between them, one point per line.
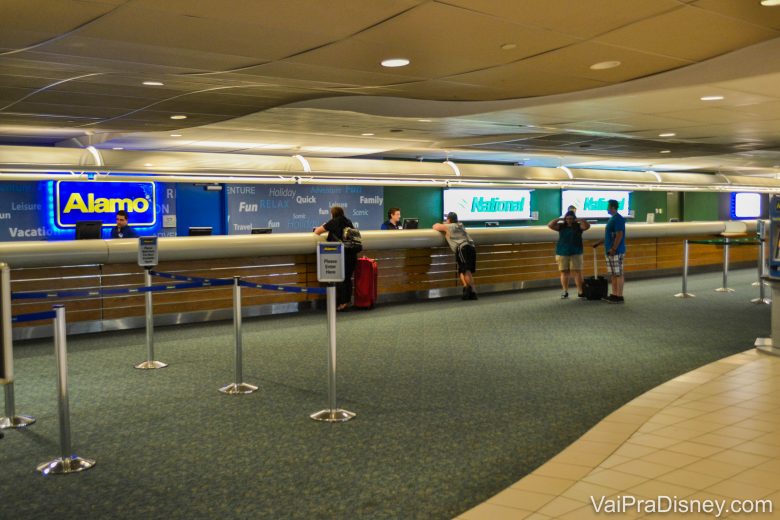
615	246
393	218
122	230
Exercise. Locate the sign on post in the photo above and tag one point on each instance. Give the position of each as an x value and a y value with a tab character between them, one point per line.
330	262
147	251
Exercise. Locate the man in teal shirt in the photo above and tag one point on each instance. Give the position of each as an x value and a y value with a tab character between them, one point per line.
615	246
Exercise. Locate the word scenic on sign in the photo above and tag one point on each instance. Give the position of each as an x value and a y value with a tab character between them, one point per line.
77	201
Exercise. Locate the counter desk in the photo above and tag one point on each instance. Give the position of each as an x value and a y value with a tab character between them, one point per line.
413	264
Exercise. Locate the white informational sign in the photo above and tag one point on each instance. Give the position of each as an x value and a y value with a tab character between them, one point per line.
477	205
147	251
593	204
330	262
746	205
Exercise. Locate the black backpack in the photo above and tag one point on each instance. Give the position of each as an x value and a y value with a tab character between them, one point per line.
352	240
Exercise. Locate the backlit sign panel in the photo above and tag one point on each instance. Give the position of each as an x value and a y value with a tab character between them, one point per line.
478	205
593	204
79	200
745	205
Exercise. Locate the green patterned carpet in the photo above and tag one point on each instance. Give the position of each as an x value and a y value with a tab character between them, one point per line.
455	401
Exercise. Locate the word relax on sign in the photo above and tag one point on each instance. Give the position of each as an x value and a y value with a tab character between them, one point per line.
480	205
104	205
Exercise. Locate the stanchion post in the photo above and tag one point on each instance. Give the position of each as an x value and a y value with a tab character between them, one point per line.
67	462
10	419
239	387
333	413
762	298
150	362
685	293
725	287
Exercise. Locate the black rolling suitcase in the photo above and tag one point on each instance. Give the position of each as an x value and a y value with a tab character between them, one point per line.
595	287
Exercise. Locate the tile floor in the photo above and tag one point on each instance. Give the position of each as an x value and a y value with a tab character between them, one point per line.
713	433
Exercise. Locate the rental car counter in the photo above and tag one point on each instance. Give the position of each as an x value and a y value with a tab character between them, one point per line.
413	264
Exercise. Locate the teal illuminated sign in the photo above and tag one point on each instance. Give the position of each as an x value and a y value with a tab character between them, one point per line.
480	205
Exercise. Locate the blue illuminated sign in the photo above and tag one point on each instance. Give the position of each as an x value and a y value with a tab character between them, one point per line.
77	200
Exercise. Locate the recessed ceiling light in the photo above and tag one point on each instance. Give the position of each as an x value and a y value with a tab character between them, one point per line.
395	62
367	134
175	135
148	165
508	46
604	65
667	134
711	98
179	116
424	120
117	148
770	3
665	151
153	83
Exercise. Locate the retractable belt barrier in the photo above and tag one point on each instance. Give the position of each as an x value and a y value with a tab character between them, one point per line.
726	242
114	292
67	464
193	282
244	283
33	316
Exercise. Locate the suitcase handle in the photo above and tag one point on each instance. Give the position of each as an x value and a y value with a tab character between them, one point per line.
595	260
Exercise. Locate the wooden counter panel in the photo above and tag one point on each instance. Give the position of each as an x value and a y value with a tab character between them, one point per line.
400	270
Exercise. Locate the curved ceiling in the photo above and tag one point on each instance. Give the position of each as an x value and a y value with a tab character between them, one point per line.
74	69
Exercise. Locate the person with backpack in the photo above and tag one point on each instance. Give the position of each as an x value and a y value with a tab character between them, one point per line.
465	253
341	229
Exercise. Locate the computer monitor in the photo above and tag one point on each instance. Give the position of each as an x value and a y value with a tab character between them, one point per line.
411	223
261	230
202	231
89	229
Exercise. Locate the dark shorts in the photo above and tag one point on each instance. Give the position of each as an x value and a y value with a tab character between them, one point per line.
466	257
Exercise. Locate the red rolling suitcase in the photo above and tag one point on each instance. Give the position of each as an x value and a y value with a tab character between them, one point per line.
366	272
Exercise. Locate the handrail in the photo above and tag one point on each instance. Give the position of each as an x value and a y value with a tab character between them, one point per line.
52	254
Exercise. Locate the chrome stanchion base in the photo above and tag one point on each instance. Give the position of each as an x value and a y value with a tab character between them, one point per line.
761	301
238	389
684	295
17	421
724	289
148	365
62	466
765	345
756	284
330	415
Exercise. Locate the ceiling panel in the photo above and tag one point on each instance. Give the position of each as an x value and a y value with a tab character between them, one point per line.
525	79
249	38
448	40
688	34
334	19
575	61
752	12
290	72
230	65
34	21
582	18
